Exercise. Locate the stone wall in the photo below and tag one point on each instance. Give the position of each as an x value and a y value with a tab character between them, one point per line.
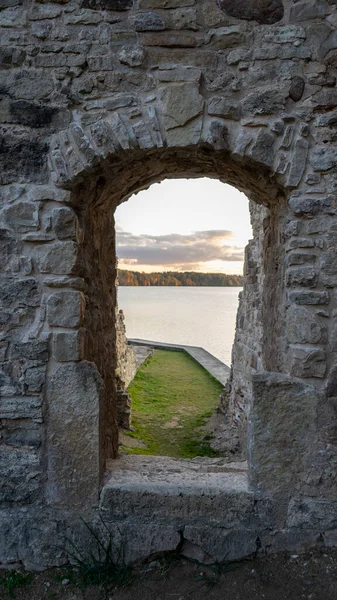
125	372
99	99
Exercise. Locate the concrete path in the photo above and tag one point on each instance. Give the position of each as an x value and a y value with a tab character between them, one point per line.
213	365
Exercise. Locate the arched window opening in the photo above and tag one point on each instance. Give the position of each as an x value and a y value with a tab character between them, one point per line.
180	247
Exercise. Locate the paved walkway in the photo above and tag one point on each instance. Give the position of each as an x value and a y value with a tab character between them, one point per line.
213	365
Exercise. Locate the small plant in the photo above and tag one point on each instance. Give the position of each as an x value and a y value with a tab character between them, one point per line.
98	566
13	579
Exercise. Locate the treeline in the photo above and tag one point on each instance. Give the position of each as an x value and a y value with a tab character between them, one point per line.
171	278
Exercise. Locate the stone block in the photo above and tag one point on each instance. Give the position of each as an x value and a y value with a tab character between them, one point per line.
282	417
300	258
15	293
59	258
308	362
180	102
132	56
148	21
296	89
184	18
216	134
189	135
22	216
265	11
312	513
36	350
267	102
20	474
302	277
34	379
21	407
65	309
74	450
262	150
68	346
329	266
23	158
170	39
224	107
298	162
304	297
119	5
323	158
227	37
64	223
10	251
309	207
220	545
303	327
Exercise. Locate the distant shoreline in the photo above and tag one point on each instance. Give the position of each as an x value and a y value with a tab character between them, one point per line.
174	279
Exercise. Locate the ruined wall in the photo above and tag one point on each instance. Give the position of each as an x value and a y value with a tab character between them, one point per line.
125	372
99	99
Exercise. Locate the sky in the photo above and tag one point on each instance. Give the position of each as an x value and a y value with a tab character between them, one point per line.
184	225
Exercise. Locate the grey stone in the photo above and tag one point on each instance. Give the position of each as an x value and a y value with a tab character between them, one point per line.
262	150
184	18
303	327
318	513
68	346
149	21
20	474
289	438
21	292
296	89
323	158
302	277
22	216
65	309
132	56
107	4
266	11
224	107
74	465
36	350
64	223
10	250
180	103
20	407
308	362
309	298
227	37
216	135
306	206
267	102
301	258
58	257
34	379
298	163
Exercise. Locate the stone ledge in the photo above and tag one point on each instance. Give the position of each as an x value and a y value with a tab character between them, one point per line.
168	488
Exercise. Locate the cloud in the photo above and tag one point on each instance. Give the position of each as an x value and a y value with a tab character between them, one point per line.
176	250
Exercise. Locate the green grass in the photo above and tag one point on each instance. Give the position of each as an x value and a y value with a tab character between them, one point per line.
172	396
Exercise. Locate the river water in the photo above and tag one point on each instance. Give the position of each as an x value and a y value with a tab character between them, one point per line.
195	316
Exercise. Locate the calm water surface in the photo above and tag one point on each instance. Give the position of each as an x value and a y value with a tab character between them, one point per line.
196	316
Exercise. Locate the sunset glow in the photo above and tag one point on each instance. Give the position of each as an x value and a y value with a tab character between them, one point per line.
184	225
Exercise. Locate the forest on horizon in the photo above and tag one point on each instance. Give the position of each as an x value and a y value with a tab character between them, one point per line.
172	278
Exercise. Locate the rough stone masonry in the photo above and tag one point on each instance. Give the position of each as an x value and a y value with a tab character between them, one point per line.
99	99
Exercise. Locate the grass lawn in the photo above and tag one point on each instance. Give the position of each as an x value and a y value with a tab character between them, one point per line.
172	396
